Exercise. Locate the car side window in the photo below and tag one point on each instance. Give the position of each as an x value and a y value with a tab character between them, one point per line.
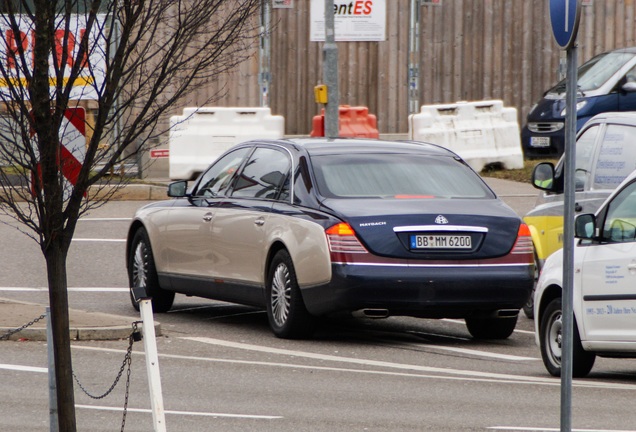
585	156
263	174
217	178
617	156
620	219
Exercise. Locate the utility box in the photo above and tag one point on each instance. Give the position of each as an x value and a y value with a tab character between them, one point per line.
199	136
481	133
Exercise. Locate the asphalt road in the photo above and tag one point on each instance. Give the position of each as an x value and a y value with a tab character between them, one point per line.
223	370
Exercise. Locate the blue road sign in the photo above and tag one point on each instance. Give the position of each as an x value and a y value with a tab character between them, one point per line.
565	16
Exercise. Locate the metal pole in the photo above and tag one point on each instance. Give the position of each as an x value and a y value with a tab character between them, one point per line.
265	52
568	241
152	365
414	57
330	72
54	425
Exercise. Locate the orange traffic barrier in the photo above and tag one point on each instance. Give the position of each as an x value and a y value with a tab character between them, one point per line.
354	122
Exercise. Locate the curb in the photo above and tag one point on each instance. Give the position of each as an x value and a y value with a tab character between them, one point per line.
130	192
83	325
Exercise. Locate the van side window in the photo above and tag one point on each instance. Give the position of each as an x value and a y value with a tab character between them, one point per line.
617	156
585	156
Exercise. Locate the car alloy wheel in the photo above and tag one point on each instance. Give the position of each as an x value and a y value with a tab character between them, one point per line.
281	294
286	311
143	273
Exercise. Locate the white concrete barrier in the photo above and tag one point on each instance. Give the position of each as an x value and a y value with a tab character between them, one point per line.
482	133
201	135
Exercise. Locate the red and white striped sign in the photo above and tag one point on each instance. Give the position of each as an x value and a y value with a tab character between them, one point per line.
72	136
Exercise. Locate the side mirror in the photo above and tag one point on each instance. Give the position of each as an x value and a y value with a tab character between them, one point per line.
585	226
629	87
177	189
543	176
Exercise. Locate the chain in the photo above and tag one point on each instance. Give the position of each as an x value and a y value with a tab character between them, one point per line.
29	324
126	365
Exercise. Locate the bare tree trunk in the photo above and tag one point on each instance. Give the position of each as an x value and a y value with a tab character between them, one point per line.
55	256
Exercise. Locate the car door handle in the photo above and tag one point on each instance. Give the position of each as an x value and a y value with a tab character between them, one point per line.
260	221
208	217
631	267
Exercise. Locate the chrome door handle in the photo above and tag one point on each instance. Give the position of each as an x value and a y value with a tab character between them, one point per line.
260	221
208	217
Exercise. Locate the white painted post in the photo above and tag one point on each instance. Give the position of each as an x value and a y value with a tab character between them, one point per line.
52	382
152	365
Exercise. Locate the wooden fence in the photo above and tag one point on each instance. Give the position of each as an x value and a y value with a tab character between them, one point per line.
468	50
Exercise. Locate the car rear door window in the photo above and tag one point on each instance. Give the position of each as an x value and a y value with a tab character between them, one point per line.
263	175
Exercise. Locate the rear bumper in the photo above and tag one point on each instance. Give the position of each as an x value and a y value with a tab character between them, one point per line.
429	292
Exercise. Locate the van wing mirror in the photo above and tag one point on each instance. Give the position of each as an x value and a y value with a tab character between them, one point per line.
543	177
585	226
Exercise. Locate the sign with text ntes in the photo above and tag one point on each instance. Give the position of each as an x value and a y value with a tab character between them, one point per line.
355	20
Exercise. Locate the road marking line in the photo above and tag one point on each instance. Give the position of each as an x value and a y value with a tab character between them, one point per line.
365	362
192	413
99	240
76	289
478	353
24	368
104	219
465	375
464	323
532	429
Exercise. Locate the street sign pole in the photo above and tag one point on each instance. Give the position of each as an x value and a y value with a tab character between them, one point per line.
568	242
330	71
565	16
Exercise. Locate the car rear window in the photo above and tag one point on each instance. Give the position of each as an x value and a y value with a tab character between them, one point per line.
396	176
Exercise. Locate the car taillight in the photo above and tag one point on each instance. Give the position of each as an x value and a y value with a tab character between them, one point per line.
342	239
523	245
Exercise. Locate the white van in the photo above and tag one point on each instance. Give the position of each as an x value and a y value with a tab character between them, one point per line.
604	294
605	155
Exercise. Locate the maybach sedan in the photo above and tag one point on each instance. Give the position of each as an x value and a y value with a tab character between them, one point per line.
307	228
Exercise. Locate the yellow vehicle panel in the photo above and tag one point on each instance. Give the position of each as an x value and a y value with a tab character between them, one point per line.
547	234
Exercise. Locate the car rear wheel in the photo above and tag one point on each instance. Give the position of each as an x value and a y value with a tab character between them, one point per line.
143	273
286	311
551	339
491	328
528	308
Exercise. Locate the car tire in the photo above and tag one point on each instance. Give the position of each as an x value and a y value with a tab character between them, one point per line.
288	317
491	328
143	273
550	334
528	308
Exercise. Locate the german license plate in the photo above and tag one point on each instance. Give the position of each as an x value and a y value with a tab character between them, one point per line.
440	241
539	141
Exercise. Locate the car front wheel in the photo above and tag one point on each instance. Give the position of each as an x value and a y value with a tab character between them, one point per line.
286	311
491	328
143	273
551	339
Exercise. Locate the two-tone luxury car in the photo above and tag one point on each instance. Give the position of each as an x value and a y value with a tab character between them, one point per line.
311	227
